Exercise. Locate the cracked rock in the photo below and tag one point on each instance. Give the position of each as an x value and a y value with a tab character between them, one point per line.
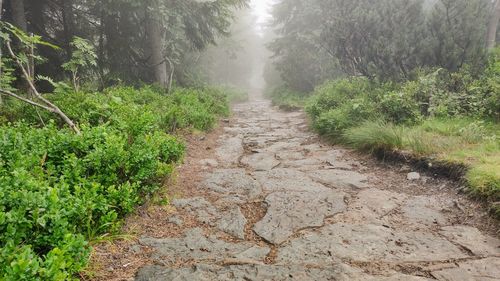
474	270
425	210
204	211
257	272
230	151
196	246
367	243
472	239
260	161
288	180
289	212
233	222
234	184
340	178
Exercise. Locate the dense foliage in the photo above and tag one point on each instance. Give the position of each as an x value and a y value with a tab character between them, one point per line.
136	40
286	99
59	189
340	104
132	110
320	40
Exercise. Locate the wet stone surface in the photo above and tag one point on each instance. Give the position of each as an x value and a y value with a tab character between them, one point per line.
195	245
264	272
277	204
289	212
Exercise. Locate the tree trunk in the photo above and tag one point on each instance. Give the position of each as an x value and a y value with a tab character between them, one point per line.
493	25
19	20
18	16
69	25
1	46
156	60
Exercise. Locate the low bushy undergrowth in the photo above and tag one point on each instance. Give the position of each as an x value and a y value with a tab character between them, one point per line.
233	95
129	108
286	99
60	190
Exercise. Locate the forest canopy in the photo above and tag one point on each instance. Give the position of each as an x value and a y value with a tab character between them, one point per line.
135	40
386	40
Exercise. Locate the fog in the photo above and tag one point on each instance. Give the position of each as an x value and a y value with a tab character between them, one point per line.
239	61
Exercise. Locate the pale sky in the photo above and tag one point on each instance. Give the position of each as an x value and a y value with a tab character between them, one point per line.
261	9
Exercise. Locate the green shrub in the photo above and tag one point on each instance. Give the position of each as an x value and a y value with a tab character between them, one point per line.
58	187
59	190
339	105
398	107
334	122
287	99
130	109
334	94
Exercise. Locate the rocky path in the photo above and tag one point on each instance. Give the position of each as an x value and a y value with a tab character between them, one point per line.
276	204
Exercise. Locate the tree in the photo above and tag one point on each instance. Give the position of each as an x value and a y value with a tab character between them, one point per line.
136	40
385	40
493	25
456	33
156	60
300	55
18	14
1	46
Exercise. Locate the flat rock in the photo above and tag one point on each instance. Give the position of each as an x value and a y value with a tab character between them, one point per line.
413	176
303	164
204	211
229	151
367	243
289	212
372	205
281	179
290	155
233	222
176	220
196	246
234	184
211	163
260	161
257	272
487	269
472	239
340	178
425	210
282	146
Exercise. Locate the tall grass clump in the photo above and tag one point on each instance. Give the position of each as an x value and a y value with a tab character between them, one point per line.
374	135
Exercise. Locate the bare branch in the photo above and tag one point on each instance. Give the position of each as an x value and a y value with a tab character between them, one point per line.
9	93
